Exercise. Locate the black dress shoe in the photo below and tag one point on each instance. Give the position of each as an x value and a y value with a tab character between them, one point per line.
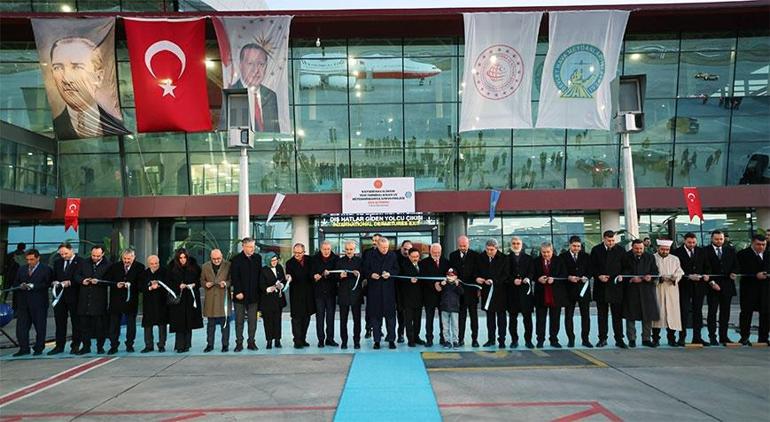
556	345
112	350
269	345
501	345
601	343
84	351
252	346
411	344
37	353
239	348
420	342
587	344
529	345
100	350
161	349
376	345
332	343
129	349
647	343
54	351
620	344
74	350
571	343
539	344
356	345
429	343
277	344
305	344
631	343
368	333
745	342
460	344
391	345
400	339
344	345
206	350
20	353
296	346
514	344
150	349
225	349
475	343
489	343
320	345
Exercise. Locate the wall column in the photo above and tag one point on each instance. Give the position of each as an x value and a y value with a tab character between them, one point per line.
300	230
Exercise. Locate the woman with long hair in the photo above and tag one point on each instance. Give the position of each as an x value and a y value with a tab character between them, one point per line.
185	312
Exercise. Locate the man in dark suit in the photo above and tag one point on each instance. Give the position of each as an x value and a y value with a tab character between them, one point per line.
492	274
520	297
578	264
65	271
434	265
378	267
34	279
722	260
253	64
78	71
462	261
754	263
640	302
693	287
606	264
325	293
549	275
245	271
92	300
124	299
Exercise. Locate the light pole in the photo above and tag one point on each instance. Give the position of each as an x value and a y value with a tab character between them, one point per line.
241	136
630	118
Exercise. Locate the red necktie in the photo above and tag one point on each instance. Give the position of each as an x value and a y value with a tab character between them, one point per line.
258	113
548	293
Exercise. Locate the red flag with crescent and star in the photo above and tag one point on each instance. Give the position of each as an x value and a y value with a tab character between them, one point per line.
168	70
71	214
692	198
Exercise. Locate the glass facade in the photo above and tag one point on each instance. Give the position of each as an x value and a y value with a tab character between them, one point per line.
707	112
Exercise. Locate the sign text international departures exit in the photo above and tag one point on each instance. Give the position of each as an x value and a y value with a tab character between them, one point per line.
376	220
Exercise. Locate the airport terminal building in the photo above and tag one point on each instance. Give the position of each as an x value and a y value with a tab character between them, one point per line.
707	124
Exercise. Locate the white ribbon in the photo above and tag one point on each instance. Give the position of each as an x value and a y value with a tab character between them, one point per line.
286	286
620	278
190	287
128	289
530	289
56	297
162	284
489	297
475	286
585	286
406	277
358	277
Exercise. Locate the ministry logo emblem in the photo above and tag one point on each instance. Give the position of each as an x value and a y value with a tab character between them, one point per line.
578	71
498	71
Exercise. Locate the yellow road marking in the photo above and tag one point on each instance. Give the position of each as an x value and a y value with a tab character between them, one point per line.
540	353
590	358
440	356
510	368
501	354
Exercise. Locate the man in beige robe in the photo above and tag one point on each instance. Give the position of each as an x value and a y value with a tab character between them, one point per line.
215	279
671	272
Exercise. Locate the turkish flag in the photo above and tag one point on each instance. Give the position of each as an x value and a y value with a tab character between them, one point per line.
692	198
168	70
71	213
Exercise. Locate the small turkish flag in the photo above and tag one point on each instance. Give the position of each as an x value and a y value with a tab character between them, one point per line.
168	70
71	214
692	198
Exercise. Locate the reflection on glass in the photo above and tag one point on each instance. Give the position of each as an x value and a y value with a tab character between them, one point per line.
214	173
660	123
90	175
376	126
659	66
749	164
519	225
484	168
430	125
592	166
705	74
432	169
652	165
322	171
701	120
430	79
699	164
377	163
538	167
322	127
151	174
751	119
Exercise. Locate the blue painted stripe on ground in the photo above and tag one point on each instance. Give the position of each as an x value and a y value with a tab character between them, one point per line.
387	387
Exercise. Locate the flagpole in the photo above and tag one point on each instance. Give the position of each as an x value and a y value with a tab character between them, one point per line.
243	196
629	190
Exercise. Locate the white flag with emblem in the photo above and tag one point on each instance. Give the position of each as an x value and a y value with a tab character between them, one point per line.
499	63
582	60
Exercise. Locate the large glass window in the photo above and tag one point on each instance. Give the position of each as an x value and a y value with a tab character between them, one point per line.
484	168
83	175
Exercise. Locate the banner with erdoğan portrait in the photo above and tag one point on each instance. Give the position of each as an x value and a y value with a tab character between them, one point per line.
255	53
77	59
383	195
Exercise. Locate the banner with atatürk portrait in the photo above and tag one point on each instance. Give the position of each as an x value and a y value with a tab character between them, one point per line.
77	58
255	53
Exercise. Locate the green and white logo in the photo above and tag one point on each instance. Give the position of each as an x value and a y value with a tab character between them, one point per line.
579	71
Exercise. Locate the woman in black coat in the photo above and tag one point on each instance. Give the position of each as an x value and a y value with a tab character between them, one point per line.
273	301
184	277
